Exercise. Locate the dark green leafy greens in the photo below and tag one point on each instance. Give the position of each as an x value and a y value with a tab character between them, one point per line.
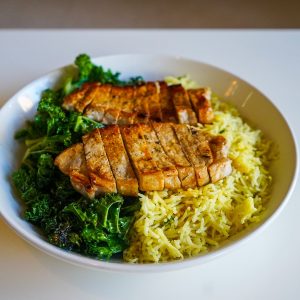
97	227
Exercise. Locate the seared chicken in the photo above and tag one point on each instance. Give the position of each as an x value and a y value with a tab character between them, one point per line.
151	101
146	157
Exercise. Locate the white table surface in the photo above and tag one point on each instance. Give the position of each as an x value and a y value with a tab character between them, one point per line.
266	267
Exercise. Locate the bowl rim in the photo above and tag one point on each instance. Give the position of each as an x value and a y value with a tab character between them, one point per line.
84	261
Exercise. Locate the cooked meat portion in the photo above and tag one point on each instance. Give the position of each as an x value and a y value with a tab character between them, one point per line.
141	106
200	99
155	113
171	146
72	99
181	101
146	157
163	162
150	177
192	148
97	163
127	183
167	106
96	109
221	166
126	115
151	101
72	162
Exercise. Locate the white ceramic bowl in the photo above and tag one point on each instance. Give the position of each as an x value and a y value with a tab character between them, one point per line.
251	103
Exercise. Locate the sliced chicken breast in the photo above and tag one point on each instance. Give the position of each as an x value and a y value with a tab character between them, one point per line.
72	162
200	99
192	153
180	98
155	113
98	165
96	109
167	106
150	177
163	162
172	148
127	183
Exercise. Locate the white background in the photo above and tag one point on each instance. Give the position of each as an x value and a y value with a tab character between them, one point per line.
266	267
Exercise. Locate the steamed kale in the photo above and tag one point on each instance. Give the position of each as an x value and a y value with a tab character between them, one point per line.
95	227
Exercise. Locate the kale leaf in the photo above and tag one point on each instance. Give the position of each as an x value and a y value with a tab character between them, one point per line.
97	227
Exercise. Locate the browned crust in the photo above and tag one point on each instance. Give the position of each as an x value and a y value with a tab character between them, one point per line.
200	99
96	109
98	166
127	183
167	106
72	162
150	177
161	159
180	98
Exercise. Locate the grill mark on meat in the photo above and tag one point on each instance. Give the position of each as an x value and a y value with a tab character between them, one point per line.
180	98
97	163
141	107
96	109
221	166
150	177
167	106
171	180
71	100
127	183
200	99
172	148
126	115
72	162
192	150
155	113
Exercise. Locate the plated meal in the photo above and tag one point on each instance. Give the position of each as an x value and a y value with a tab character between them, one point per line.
149	171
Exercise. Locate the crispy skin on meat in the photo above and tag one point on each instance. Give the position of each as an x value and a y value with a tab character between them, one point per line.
200	99
150	177
154	102
161	159
221	166
127	183
172	148
180	98
97	163
167	106
141	107
72	99
72	163
191	151
96	109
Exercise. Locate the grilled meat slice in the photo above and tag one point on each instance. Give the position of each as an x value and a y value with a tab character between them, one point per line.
127	183
171	146
141	107
180	98
114	106
126	115
154	102
96	109
72	162
150	177
192	152
200	99
70	101
161	159
221	166
98	166
167	106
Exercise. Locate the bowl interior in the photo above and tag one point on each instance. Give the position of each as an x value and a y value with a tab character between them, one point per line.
252	104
